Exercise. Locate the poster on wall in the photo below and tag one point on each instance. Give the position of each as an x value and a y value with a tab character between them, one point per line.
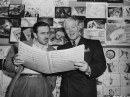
4	2
57	37
28	21
16	10
95	34
96	10
15	34
6	24
95	23
3	11
115	12
62	12
32	11
117	34
126	12
26	33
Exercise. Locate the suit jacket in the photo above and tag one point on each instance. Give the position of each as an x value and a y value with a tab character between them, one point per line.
10	67
76	83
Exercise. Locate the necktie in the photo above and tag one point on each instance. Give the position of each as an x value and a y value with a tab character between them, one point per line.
74	44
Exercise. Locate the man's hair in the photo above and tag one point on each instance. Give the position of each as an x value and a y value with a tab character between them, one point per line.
38	24
74	18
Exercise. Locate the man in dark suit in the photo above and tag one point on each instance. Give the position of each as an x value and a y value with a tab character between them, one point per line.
82	81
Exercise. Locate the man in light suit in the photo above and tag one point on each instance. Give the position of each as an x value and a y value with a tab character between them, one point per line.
31	83
82	81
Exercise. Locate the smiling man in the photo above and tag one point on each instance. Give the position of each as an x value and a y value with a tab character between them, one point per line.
82	81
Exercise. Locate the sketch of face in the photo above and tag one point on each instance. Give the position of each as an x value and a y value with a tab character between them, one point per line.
7	25
59	34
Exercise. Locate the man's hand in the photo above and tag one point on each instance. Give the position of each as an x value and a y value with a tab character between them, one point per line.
17	61
82	66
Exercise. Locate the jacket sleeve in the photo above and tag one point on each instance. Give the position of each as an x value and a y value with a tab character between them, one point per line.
9	66
98	61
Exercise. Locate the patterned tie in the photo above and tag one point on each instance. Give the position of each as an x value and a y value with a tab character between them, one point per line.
74	44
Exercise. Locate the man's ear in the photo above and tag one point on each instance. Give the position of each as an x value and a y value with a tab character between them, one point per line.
35	35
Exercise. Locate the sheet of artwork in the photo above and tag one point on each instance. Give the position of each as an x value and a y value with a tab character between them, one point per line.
79	10
115	12
57	37
47	11
125	91
95	23
58	3
15	34
39	2
96	10
117	34
58	22
28	21
4	2
3	51
111	79
26	33
112	67
124	54
125	80
126	12
124	67
95	34
111	91
32	11
3	11
111	54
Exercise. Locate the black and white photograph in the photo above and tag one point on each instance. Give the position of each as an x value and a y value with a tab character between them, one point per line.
16	10
62	12
115	12
6	24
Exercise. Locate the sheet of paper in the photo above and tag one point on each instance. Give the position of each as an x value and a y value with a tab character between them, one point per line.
52	61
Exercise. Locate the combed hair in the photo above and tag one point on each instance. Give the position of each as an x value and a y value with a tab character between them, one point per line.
38	24
71	18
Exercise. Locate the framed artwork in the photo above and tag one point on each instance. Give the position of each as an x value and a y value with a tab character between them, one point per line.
3	11
62	12
115	12
15	34
16	10
28	21
95	23
26	34
32	11
96	10
6	24
58	37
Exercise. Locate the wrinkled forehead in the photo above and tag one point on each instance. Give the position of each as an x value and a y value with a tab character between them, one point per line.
70	21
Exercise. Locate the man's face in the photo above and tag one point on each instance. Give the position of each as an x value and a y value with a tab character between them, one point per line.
72	29
42	35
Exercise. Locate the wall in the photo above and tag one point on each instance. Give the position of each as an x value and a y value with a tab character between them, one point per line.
105	20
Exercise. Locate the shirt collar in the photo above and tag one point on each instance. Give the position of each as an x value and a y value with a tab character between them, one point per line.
76	41
36	44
